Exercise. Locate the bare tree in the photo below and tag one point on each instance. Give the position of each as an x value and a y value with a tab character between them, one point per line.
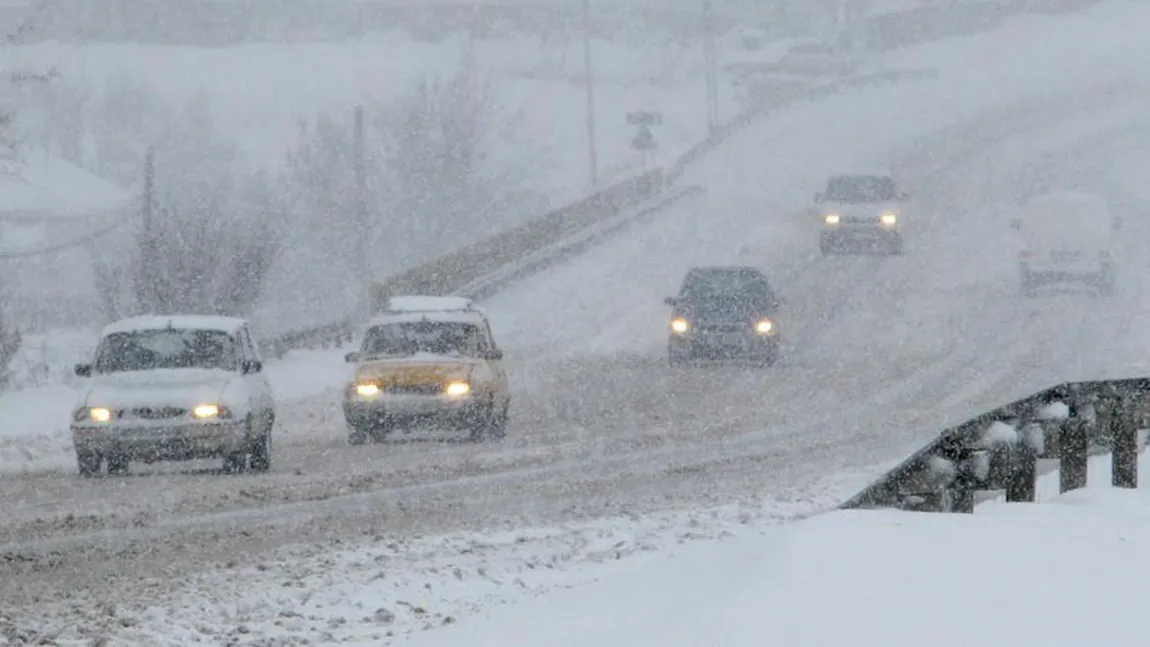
207	258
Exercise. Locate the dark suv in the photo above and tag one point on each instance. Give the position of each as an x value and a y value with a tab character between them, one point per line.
724	312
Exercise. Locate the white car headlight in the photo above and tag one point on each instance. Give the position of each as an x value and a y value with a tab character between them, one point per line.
203	411
765	327
95	414
680	325
367	389
457	388
831	219
889	218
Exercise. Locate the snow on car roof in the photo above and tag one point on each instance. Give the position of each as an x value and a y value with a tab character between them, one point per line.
187	322
1071	197
422	303
473	316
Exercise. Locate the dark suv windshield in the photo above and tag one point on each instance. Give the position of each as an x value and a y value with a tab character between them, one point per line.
861	188
725	285
409	338
143	350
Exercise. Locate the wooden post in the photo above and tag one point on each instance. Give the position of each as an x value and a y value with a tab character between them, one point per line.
1073	451
1123	430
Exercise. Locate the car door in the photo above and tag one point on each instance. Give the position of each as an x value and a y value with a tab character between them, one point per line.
502	386
259	389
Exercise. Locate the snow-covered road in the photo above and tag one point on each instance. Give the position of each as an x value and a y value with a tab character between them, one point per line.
883	351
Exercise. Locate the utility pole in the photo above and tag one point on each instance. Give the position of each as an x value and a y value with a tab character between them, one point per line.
710	71
589	81
362	226
147	280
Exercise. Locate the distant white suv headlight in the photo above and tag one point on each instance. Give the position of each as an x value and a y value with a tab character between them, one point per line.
889	218
208	411
93	414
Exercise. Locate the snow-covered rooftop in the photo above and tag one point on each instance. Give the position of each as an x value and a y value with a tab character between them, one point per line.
187	322
42	187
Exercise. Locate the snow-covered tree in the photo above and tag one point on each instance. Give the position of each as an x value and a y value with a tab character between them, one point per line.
209	227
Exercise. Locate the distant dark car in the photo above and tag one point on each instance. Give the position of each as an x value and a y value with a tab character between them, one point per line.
724	312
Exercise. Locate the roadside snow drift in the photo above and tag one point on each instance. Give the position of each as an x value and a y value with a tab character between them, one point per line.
1061	573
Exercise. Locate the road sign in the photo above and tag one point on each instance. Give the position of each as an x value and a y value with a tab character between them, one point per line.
643	118
644	141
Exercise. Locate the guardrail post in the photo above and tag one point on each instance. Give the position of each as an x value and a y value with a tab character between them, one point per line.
1123	422
1073	450
1023	484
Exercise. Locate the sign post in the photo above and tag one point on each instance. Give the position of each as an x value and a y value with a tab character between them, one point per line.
644	141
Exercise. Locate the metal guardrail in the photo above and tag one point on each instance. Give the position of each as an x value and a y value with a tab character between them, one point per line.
1000	449
330	335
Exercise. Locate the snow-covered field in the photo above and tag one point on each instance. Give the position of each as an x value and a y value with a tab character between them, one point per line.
1062	572
725	575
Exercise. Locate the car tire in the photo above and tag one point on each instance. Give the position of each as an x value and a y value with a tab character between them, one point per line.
498	429
482	423
117	464
1027	283
356	436
825	247
88	464
237	462
260	453
770	358
895	247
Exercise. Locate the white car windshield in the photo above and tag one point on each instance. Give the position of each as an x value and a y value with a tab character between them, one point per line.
409	338
144	350
856	189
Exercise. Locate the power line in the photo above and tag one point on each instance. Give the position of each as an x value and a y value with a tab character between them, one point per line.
62	247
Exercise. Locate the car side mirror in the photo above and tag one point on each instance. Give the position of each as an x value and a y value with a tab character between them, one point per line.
818	197
352	357
670	301
252	366
83	370
495	354
1016	224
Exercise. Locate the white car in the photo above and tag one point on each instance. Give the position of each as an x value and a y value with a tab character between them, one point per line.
1066	237
174	388
860	210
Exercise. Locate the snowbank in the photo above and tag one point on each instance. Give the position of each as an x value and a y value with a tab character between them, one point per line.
1007	575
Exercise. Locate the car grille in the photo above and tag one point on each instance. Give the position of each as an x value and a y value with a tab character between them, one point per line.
709	328
415	389
154	413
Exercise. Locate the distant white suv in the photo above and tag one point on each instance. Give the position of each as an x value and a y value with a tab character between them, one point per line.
174	388
1066	237
861	211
